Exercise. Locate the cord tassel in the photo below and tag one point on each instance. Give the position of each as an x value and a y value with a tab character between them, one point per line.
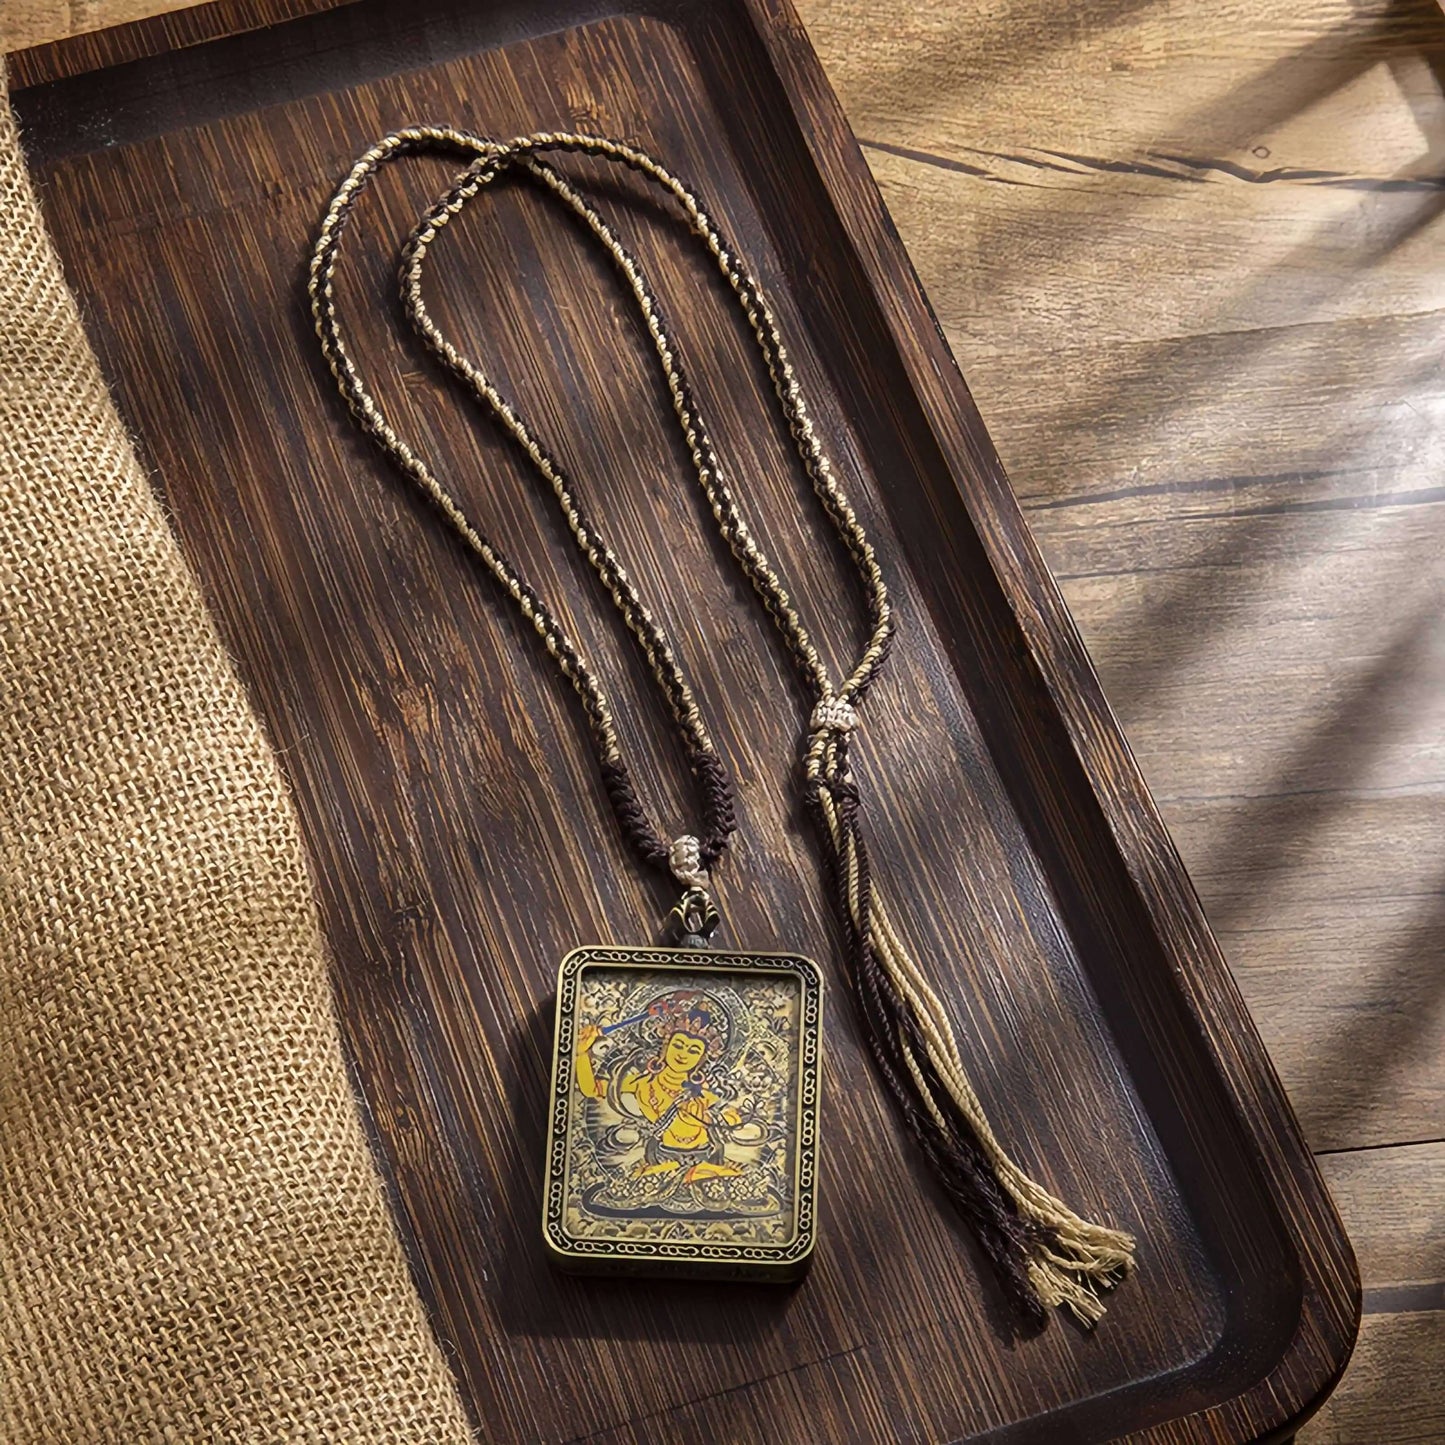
1044	1255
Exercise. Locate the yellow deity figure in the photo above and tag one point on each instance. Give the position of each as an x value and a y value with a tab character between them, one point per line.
669	1090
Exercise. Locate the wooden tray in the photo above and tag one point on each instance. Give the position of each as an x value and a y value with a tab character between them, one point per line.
459	839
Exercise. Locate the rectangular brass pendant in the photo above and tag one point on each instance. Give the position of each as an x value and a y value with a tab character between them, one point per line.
683	1132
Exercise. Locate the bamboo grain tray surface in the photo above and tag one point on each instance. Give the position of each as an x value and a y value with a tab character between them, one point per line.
460	841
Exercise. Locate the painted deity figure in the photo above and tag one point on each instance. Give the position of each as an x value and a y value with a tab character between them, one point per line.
670	1089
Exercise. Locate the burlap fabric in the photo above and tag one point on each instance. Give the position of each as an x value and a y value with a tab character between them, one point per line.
194	1245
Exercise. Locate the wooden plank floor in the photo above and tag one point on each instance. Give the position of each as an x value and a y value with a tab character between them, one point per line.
1188	257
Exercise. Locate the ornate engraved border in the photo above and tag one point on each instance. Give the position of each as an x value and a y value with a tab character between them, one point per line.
566	1246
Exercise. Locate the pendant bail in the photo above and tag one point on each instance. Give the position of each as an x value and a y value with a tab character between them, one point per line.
694	919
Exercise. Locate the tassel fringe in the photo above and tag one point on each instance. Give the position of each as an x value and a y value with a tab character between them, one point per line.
1046	1255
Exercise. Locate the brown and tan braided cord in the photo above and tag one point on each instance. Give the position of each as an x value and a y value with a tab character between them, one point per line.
708	770
1044	1253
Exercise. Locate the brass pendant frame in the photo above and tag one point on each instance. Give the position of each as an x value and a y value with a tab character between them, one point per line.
620	1195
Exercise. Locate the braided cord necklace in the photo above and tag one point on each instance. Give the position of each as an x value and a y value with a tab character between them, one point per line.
1043	1253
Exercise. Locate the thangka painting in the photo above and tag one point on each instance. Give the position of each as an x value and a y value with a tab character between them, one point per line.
687	1100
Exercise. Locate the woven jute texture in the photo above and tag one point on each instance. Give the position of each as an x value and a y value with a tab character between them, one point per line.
194	1243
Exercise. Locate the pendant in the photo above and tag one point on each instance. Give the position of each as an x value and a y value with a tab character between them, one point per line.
683	1131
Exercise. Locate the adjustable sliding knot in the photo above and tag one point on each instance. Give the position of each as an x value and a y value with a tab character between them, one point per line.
825	759
684	858
834	715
